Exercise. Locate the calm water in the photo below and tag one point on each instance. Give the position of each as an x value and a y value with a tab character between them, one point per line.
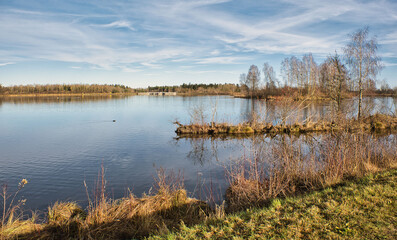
58	143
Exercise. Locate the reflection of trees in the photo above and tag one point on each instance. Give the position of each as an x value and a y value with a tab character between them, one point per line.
395	106
254	110
248	111
202	149
368	106
199	152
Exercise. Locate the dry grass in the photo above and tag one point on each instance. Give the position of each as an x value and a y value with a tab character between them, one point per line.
126	218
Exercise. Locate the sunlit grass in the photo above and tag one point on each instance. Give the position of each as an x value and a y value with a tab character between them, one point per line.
364	208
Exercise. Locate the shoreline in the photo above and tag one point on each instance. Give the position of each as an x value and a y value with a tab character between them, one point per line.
172	205
65	94
192	94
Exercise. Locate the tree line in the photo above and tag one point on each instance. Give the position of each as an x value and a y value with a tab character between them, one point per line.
354	71
201	88
65	89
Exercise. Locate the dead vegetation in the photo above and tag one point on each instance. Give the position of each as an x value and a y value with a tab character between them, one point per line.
105	218
374	123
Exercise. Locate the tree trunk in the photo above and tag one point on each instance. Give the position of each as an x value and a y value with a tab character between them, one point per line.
360	99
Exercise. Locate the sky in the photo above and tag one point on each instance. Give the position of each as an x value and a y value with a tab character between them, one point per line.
170	42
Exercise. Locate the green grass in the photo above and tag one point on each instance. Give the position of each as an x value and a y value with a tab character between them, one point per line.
364	208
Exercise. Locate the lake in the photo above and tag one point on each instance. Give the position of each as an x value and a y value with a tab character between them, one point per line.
57	143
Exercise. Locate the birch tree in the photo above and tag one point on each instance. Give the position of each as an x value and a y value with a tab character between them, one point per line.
253	79
243	82
334	76
269	76
363	61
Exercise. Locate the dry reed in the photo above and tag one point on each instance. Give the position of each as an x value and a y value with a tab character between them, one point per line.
292	165
126	218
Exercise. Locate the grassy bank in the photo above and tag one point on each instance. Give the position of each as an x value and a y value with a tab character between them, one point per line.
375	123
363	208
358	208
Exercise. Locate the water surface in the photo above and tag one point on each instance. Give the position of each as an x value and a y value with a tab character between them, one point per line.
58	143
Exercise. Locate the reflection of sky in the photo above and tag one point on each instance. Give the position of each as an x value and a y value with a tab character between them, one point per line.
174	42
57	145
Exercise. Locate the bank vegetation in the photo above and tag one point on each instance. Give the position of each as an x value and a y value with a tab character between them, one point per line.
378	123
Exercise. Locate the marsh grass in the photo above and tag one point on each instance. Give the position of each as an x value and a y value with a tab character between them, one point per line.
130	217
11	208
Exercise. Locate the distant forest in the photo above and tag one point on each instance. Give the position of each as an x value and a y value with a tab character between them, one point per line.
212	89
215	88
64	89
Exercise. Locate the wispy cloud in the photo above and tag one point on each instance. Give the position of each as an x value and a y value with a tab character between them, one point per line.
389	64
221	60
131	70
120	24
390	38
6	63
168	34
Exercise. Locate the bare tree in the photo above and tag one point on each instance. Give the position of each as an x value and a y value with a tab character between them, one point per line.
253	79
243	81
311	74
269	76
362	58
333	76
298	73
384	86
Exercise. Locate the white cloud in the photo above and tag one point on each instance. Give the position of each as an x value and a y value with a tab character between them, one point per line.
119	24
221	60
131	70
215	52
390	38
150	65
6	63
389	64
185	32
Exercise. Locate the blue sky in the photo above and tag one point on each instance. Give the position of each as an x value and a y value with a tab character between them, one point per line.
161	42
